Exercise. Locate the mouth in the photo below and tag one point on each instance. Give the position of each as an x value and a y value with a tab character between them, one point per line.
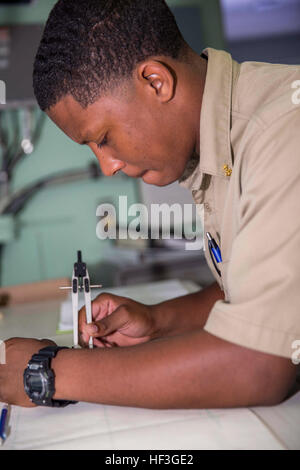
137	175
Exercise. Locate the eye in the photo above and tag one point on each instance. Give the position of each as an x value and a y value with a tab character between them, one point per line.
104	142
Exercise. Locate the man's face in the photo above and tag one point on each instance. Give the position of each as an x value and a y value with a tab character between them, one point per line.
131	132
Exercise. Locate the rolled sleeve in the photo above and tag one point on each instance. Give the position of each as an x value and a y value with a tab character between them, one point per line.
263	273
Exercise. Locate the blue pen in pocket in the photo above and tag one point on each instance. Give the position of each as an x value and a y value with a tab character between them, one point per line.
214	251
3	424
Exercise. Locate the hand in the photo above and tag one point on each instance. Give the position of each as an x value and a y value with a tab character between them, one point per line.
18	353
118	321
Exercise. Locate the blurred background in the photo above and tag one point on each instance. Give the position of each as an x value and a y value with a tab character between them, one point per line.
50	187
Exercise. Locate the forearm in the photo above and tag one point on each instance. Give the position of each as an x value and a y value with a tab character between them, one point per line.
163	373
195	370
185	313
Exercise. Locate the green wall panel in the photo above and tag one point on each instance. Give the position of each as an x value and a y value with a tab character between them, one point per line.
35	13
58	220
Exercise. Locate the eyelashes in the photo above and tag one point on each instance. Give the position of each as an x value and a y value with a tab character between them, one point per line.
103	143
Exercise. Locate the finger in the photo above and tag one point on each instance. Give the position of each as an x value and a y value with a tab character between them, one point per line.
83	340
113	322
87	331
81	319
96	309
101	306
98	343
105	304
82	324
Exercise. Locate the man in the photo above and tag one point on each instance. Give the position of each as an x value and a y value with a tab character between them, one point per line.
117	76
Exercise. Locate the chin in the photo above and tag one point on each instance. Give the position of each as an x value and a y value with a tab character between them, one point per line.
156	179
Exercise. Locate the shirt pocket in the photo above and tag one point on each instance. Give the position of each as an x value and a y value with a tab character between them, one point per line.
223	267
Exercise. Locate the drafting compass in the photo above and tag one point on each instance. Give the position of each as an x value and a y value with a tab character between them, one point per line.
81	282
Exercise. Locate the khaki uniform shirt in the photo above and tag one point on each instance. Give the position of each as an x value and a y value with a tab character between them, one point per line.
248	181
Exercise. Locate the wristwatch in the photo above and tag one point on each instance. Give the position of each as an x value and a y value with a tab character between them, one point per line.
39	378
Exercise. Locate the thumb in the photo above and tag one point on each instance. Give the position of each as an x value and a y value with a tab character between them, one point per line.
107	325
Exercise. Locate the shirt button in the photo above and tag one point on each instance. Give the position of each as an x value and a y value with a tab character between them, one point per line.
207	207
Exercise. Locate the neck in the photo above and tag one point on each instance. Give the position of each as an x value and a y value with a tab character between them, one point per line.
192	70
198	79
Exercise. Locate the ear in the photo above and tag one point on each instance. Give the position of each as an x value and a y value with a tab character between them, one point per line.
158	78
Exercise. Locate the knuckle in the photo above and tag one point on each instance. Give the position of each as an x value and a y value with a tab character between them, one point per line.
10	341
126	308
103	297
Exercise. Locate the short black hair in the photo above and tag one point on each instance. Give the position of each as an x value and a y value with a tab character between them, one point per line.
88	45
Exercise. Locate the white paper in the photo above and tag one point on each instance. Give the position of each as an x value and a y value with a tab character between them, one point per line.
283	420
88	426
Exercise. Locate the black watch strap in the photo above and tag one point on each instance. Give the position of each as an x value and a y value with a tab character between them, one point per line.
43	358
48	353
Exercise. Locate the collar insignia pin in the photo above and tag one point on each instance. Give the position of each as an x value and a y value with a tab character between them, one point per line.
227	170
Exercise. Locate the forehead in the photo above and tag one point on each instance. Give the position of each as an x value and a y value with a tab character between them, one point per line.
81	124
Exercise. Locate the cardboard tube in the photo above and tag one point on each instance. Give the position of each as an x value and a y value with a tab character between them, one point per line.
35	292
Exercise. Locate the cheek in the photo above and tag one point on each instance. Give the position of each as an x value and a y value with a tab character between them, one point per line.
144	139
152	146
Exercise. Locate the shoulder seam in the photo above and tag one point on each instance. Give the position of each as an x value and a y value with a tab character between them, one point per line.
283	115
262	124
253	118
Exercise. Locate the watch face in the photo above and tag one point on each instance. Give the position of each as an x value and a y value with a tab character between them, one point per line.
35	384
39	385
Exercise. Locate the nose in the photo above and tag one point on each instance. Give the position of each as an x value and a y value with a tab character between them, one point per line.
110	166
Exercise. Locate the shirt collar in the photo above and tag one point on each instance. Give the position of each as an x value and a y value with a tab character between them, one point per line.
215	123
